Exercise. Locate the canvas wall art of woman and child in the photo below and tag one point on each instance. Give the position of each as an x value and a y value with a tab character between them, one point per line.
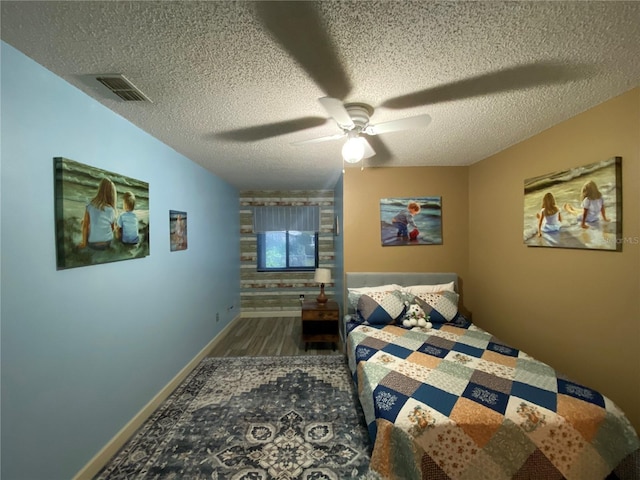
92	224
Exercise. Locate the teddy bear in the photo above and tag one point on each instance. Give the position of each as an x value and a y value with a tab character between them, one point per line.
415	317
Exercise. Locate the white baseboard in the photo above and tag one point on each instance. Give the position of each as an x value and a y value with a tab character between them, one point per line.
110	449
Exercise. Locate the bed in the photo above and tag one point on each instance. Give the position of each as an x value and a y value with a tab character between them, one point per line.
454	402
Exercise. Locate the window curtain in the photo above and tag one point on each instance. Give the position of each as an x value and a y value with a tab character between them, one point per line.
280	219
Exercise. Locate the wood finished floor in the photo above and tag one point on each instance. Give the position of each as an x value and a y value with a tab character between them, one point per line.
266	337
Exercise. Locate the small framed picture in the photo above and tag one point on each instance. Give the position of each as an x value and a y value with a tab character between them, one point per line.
177	230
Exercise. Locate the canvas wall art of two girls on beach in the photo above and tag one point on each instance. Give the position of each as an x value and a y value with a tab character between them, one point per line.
576	208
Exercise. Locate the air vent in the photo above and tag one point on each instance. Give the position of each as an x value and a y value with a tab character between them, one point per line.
123	88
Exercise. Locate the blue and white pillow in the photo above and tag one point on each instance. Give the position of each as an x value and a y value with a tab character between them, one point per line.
354	294
440	307
380	308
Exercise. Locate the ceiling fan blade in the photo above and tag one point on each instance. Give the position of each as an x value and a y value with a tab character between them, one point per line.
368	149
337	136
383	154
335	109
260	132
409	123
514	78
297	27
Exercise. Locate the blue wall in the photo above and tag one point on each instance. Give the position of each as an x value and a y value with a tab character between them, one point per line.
338	245
84	349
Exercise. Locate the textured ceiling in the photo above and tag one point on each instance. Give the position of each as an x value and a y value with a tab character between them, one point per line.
490	74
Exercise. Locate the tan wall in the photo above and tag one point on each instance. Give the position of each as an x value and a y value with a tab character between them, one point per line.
578	310
363	251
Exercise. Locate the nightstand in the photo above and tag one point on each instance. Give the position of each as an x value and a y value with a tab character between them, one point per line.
320	322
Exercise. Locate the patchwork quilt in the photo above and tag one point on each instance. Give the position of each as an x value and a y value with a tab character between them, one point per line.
454	402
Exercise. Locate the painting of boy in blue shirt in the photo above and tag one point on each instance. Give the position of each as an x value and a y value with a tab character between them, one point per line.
128	221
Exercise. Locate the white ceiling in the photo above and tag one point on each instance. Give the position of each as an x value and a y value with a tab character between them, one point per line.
490	74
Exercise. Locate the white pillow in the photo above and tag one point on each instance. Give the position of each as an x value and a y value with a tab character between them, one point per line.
382	288
442	287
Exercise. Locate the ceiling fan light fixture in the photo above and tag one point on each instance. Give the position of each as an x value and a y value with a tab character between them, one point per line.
353	150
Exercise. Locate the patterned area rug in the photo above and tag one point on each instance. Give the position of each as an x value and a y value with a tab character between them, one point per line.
253	418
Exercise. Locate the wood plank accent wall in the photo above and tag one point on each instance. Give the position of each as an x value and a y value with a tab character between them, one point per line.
278	293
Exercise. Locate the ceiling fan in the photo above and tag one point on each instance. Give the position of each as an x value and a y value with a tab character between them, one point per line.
299	30
353	119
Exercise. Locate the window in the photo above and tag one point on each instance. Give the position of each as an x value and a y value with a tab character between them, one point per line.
287	251
287	237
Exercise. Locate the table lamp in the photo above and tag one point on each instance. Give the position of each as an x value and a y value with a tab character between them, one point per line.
322	276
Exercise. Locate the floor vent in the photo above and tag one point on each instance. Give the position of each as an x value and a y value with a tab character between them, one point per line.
123	88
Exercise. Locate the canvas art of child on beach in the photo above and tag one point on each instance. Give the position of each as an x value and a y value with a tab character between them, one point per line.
411	221
576	208
178	230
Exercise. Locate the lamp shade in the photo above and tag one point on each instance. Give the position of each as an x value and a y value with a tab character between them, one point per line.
323	275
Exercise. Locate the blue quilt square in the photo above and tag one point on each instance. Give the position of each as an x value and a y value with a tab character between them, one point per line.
503	349
351	325
581	392
437	399
468	349
433	350
364	353
536	395
488	397
397	351
373	431
387	403
380	316
436	317
460	321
